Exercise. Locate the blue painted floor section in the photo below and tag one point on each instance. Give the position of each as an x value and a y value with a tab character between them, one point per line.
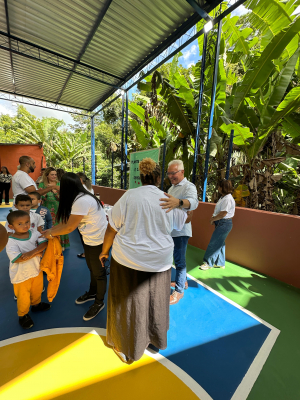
210	339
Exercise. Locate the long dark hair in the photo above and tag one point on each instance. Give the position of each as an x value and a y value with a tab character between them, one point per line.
70	188
7	171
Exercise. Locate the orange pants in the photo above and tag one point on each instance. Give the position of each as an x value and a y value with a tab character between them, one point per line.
28	293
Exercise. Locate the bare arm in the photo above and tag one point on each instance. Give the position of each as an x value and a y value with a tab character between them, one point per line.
63	228
221	215
33	253
108	241
31	189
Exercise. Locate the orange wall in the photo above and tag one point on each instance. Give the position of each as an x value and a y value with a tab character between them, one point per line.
263	241
10	154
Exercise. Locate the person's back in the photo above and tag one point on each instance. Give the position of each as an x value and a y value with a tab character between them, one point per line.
143	240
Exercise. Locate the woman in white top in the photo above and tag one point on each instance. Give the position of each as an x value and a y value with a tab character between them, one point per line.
79	208
139	231
222	218
86	183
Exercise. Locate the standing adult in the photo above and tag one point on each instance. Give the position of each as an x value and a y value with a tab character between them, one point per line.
60	173
5	181
40	178
79	208
51	200
214	256
87	184
21	181
182	194
140	271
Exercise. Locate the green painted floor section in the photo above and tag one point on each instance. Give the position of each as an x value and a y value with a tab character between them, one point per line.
276	303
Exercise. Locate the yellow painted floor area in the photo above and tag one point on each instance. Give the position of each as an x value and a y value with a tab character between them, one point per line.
81	366
3	205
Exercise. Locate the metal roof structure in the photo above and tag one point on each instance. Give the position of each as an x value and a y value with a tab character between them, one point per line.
77	53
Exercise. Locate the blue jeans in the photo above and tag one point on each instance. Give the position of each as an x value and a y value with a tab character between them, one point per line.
180	245
215	252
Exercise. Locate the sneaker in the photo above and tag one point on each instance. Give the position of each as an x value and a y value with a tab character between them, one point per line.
219	266
93	311
26	322
41	307
81	255
186	285
175	297
205	267
85	297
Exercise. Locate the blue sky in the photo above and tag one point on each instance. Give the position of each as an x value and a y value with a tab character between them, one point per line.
190	56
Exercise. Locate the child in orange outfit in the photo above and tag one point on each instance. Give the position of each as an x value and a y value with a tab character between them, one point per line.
24	249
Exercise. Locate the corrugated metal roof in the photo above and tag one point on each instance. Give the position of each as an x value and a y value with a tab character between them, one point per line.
113	36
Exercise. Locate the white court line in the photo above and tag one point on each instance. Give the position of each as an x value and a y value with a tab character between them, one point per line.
255	368
177	371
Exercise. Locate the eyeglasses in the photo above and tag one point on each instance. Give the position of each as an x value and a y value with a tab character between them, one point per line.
173	173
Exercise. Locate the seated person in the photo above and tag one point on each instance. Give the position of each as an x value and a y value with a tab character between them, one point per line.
24	249
41	210
23	203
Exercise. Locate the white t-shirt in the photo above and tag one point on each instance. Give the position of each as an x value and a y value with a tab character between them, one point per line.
93	224
35	222
225	203
20	272
20	181
91	191
144	241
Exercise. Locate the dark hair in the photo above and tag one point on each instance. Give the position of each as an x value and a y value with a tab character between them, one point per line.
70	188
7	171
226	187
149	171
14	215
60	172
85	180
36	194
22	197
24	159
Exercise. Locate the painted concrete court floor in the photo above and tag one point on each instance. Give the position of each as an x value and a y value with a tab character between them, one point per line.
219	347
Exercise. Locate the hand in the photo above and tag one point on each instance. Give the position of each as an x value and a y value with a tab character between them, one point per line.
46	234
103	257
27	256
170	203
211	221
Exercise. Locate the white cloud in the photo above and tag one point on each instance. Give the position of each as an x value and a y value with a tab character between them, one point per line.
241	10
190	64
7	110
192	51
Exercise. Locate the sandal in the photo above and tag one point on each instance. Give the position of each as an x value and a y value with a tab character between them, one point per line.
81	255
122	356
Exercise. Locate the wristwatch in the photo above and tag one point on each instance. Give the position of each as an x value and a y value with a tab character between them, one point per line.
180	203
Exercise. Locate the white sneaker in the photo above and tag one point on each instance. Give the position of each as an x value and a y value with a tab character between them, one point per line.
219	266
205	267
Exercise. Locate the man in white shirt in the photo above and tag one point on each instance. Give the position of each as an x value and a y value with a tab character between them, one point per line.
21	181
182	194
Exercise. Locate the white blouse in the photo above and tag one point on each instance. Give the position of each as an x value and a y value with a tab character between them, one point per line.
144	241
225	203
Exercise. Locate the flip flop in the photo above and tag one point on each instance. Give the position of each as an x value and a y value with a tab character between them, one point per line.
80	255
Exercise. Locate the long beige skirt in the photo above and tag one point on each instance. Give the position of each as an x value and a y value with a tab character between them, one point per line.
137	309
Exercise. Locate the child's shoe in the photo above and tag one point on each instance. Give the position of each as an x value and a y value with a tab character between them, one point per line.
41	307
26	322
